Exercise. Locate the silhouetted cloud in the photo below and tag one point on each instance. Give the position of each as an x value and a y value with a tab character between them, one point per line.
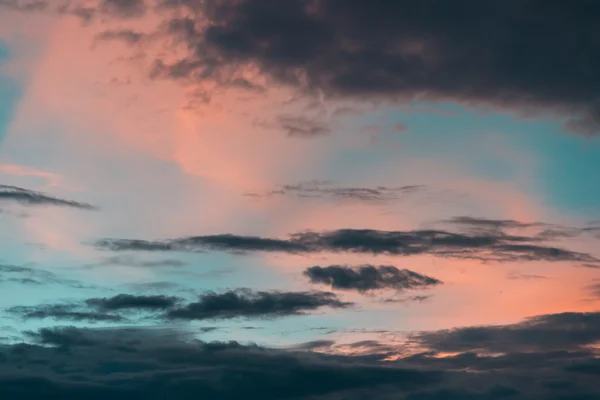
485	246
468	52
551	332
134	262
69	362
245	303
32	198
129	302
365	278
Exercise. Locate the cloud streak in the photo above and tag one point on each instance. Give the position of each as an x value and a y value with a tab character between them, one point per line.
28	197
366	278
484	246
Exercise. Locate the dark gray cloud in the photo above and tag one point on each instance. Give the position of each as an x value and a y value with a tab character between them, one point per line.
526	57
326	190
119	364
240	303
485	246
365	278
70	363
245	303
28	197
132	302
65	312
552	332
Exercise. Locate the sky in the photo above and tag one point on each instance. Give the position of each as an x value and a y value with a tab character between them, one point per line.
309	199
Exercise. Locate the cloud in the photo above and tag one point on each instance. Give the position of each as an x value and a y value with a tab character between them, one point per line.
325	190
122	363
484	246
65	312
302	127
240	303
365	278
34	276
467	52
551	332
131	302
125	35
31	198
131	261
246	303
69	362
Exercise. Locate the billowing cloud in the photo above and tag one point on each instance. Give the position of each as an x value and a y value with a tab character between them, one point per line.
258	304
28	197
365	278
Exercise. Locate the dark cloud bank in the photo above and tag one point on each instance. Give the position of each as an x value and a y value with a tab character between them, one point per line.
545	357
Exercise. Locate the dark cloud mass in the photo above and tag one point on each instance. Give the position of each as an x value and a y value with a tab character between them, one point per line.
485	246
519	55
365	278
246	303
29	197
71	363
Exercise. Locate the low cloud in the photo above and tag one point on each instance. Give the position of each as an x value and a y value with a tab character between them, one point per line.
246	303
552	332
365	278
69	362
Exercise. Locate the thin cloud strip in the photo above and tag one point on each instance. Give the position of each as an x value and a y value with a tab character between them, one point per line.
484	246
28	197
